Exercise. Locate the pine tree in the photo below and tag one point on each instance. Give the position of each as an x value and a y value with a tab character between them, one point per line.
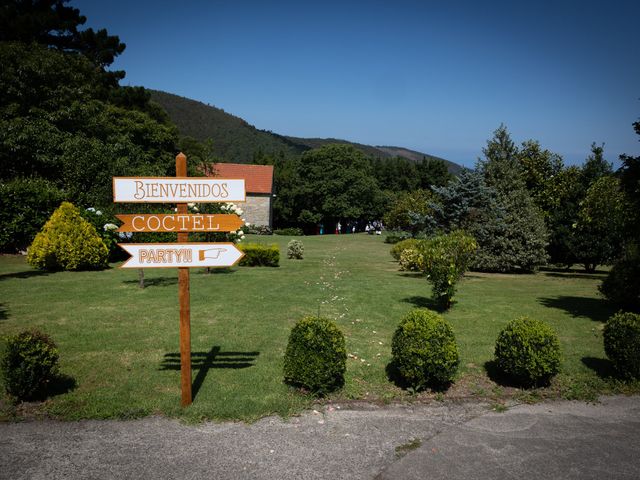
523	245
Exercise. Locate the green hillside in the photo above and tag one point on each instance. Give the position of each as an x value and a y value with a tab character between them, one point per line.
235	140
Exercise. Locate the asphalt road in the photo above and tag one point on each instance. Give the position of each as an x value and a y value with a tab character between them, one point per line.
454	441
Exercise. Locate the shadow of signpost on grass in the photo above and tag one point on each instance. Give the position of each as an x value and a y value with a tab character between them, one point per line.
205	361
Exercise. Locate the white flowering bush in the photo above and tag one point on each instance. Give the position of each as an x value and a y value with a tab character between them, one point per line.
223	208
106	229
295	249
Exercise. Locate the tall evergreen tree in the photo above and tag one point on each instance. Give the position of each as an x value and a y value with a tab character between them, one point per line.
523	245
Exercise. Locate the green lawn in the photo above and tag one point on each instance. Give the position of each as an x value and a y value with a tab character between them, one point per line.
120	343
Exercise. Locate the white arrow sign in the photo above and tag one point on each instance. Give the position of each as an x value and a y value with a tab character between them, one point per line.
171	255
177	190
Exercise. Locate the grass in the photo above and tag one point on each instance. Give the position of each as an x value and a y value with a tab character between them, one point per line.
120	343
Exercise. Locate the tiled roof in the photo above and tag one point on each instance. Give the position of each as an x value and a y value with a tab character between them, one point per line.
258	178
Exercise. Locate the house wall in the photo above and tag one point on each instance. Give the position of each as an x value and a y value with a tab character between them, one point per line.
257	209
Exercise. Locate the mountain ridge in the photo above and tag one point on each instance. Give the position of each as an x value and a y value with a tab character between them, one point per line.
236	140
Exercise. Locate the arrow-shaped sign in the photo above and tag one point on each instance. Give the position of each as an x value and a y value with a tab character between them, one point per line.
153	222
171	255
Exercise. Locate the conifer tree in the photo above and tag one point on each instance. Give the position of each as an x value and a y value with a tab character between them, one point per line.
522	247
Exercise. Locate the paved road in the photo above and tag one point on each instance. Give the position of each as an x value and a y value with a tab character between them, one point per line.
551	441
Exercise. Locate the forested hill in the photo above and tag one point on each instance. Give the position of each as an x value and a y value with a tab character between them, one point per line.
236	140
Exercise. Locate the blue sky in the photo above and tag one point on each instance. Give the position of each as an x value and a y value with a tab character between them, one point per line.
438	77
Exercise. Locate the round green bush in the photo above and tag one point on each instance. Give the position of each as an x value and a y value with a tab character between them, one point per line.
424	349
528	351
622	343
316	355
29	364
295	249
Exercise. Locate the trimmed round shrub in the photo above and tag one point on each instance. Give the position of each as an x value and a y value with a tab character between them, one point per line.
424	349
622	343
528	351
295	249
29	364
68	242
316	355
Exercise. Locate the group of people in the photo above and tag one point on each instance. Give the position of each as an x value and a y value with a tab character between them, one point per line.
371	228
375	227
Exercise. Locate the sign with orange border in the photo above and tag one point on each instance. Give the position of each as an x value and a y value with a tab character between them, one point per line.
185	254
179	222
177	190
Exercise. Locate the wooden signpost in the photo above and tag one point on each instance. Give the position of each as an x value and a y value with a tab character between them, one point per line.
183	254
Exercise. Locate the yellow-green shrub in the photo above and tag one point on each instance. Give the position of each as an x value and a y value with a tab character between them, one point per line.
398	248
68	242
258	255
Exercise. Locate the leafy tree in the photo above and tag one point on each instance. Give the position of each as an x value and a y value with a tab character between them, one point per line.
57	123
336	182
622	285
600	224
523	244
412	212
565	193
539	168
629	174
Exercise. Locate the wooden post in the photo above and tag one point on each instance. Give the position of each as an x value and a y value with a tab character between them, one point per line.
184	299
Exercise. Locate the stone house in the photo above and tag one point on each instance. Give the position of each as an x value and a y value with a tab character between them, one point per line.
258	179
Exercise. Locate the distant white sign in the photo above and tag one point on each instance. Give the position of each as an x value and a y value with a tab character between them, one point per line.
177	190
171	255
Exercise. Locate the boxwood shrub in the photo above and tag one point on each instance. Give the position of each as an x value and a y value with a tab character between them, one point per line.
258	255
622	343
316	356
424	349
29	364
528	352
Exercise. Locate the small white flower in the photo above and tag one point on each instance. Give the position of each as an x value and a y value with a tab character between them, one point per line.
91	209
98	212
232	208
242	237
239	211
246	224
109	226
196	209
240	233
191	205
175	209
